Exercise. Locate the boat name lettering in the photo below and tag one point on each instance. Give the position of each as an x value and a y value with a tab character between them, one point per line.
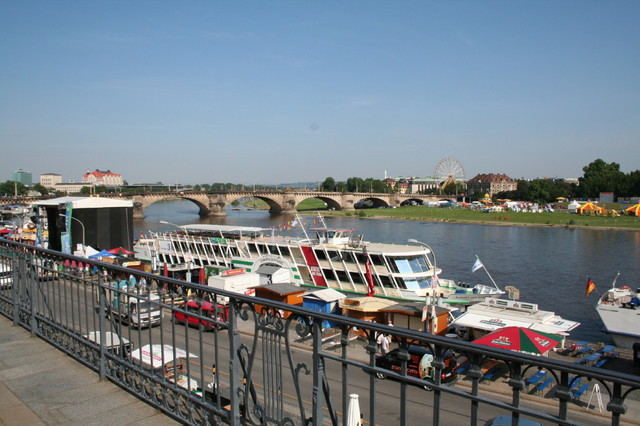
272	259
233	272
494	321
315	271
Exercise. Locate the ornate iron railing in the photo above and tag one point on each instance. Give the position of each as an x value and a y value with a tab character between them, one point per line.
256	361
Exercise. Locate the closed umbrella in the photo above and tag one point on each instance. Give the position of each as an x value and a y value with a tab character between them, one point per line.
520	339
353	411
165	270
201	277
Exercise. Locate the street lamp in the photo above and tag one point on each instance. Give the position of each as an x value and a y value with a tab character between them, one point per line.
84	250
434	277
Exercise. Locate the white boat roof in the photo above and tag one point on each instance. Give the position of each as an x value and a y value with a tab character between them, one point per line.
158	355
488	317
221	228
111	339
85	202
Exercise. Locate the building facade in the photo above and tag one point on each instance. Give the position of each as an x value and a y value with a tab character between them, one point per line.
22	176
491	184
71	187
98	177
50	180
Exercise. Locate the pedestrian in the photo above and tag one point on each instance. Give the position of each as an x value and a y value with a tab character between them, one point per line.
383	344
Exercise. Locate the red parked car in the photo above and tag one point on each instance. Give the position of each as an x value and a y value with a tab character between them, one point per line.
190	312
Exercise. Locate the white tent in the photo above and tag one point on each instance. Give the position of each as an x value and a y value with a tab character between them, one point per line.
573	206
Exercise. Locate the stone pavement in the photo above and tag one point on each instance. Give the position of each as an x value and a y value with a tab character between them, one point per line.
40	385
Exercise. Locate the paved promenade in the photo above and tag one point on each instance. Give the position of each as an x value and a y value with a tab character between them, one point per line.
40	385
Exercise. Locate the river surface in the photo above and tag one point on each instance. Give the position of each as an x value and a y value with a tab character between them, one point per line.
549	266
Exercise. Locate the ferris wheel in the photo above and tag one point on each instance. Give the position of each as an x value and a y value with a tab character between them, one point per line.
448	170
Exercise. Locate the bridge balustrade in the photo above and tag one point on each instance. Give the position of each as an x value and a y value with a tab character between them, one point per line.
253	361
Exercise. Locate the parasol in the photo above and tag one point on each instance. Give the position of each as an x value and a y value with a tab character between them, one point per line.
520	339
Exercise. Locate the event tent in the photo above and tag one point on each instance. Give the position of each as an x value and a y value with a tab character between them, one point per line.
589	208
634	210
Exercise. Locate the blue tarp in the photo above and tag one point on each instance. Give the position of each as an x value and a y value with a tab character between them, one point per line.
103	253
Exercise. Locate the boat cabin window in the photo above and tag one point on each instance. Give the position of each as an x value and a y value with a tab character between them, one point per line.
416	284
320	254
334	255
411	265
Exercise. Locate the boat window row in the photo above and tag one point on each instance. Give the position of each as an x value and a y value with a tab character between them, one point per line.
345	277
349	256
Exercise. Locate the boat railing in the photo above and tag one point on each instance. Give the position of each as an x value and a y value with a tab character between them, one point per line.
355	241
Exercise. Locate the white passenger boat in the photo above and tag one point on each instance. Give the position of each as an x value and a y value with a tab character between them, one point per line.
334	258
619	310
493	314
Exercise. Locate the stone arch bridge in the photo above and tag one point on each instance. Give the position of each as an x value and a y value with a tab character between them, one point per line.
213	203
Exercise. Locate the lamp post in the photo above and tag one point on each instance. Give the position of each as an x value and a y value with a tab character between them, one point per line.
435	275
84	249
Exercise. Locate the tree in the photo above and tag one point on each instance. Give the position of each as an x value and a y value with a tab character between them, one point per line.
329	184
41	189
600	176
11	188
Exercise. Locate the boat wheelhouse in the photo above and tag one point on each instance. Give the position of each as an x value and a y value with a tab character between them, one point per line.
326	257
619	310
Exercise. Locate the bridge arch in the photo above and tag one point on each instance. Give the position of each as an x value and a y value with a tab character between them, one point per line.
375	202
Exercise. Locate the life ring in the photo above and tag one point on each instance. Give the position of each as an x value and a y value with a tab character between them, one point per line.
625	287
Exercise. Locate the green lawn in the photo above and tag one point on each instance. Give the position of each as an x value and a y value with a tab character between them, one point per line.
437	214
560	218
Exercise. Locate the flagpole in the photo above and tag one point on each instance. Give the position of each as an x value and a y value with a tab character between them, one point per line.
485	269
613	285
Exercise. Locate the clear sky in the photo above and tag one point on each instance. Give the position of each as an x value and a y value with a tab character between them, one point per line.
289	91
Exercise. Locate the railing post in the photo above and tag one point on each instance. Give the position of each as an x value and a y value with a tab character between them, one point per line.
102	363
15	286
317	399
32	283
234	364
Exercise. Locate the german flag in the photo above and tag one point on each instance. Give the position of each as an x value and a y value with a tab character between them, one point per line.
590	287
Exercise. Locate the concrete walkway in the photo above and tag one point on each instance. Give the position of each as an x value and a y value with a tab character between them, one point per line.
40	385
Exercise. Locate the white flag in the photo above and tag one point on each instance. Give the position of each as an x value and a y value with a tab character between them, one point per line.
477	265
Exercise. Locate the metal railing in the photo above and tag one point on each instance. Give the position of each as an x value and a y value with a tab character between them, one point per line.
246	360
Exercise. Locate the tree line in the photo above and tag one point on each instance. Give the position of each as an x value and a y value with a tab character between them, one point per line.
599	176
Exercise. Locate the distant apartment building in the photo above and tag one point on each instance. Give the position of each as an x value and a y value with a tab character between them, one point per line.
98	177
491	184
71	187
22	176
422	185
50	180
412	185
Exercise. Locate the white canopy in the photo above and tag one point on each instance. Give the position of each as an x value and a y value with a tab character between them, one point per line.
85	202
155	356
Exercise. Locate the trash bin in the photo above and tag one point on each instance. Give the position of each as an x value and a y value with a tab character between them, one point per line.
636	354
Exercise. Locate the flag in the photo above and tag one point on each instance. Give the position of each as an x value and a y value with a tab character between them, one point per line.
434	281
590	287
477	265
370	286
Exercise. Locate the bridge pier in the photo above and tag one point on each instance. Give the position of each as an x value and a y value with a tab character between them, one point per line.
215	209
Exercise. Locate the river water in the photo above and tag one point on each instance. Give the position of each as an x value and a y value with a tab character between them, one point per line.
549	266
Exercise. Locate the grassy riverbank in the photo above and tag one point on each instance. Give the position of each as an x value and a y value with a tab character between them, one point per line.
560	218
436	214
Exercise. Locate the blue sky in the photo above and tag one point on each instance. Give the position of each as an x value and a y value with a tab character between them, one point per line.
291	91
